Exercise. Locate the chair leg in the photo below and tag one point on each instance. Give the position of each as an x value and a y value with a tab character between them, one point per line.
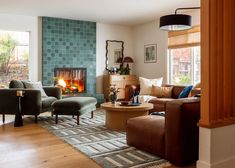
36	119
52	114
56	118
92	114
77	119
3	118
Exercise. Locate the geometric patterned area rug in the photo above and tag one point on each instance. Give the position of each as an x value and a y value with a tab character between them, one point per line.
107	148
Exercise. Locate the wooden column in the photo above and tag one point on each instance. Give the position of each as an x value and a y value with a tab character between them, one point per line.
218	63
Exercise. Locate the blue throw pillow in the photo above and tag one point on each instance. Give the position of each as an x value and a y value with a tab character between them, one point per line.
185	92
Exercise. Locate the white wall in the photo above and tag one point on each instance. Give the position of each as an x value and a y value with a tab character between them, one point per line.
149	33
30	24
134	40
110	32
145	34
195	17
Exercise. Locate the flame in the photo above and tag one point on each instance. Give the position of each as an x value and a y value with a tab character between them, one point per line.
62	83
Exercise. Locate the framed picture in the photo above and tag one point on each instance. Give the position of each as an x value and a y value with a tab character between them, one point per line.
150	53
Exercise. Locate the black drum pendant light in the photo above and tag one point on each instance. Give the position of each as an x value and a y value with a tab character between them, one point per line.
175	22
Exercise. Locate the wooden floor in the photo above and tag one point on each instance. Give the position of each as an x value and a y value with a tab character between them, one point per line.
31	146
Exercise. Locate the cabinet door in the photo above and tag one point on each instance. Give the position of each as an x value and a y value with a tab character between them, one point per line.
130	80
119	82
106	85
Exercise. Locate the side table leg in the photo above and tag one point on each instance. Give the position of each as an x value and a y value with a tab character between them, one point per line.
18	117
56	118
3	118
92	114
18	120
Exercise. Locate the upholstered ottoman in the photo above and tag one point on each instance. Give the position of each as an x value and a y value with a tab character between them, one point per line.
147	133
74	106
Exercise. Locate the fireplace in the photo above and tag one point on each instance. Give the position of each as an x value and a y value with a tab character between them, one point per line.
71	80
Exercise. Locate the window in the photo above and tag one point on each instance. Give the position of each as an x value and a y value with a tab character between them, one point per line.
184	57
14	55
184	65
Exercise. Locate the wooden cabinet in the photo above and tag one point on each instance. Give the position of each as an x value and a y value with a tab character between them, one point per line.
120	81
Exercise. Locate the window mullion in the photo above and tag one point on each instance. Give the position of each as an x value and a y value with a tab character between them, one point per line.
192	66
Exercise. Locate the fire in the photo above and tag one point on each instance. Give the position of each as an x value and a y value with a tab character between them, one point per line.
62	83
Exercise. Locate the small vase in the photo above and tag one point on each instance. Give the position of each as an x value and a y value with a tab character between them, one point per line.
113	98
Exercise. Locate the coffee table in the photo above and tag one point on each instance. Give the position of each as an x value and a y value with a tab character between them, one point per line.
117	115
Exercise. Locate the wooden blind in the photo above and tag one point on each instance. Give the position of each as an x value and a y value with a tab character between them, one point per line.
185	38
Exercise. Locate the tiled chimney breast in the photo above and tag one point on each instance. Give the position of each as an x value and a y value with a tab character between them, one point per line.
68	44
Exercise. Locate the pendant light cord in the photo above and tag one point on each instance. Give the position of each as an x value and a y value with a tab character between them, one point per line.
186	9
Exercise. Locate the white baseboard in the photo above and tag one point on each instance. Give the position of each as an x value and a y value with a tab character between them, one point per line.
228	163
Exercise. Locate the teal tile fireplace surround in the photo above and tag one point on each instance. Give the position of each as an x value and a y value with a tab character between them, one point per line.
69	44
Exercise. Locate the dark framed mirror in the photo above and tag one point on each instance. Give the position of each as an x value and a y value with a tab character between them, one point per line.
114	54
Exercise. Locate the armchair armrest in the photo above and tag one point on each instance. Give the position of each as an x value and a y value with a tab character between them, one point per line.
31	102
8	101
181	130
129	91
53	91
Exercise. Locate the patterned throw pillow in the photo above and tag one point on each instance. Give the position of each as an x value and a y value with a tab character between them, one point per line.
36	86
161	92
146	85
185	92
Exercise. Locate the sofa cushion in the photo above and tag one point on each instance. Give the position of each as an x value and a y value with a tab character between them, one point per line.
186	91
146	85
35	85
16	84
47	101
159	104
161	92
74	103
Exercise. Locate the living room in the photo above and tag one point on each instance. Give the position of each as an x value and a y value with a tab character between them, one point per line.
88	38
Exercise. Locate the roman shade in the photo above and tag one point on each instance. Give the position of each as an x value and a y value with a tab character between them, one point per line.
185	38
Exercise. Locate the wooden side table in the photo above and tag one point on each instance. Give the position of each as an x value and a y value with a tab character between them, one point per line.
18	116
117	116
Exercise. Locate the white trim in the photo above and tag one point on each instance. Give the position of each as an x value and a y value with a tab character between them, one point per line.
227	163
216	147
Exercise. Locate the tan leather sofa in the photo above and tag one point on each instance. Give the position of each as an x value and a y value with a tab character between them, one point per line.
173	137
158	103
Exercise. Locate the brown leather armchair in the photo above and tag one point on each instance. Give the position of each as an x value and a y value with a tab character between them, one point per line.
173	137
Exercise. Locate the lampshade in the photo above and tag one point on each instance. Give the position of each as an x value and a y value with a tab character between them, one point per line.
128	60
175	22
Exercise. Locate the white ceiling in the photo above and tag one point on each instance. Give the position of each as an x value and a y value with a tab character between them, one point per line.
121	12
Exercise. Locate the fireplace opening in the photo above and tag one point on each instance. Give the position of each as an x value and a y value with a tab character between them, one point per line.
71	80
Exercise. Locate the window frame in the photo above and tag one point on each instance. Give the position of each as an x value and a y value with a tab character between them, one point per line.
192	61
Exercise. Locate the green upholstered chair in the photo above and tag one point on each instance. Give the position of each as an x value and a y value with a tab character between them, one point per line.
31	104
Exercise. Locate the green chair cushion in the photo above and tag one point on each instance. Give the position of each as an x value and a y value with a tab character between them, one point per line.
47	101
74	103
